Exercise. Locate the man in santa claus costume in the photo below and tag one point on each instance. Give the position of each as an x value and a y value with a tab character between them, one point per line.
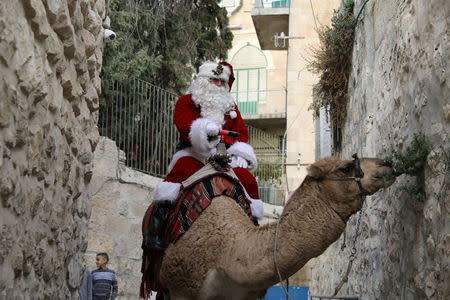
207	107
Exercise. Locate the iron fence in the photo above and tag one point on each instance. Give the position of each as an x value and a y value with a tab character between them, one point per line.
271	165
138	117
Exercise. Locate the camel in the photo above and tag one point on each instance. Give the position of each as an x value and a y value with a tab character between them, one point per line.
224	256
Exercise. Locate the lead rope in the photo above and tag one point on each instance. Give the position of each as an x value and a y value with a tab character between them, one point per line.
276	262
352	253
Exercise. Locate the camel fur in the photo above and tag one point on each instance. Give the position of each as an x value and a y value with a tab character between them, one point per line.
224	256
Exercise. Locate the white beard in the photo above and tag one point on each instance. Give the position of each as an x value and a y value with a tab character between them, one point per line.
214	101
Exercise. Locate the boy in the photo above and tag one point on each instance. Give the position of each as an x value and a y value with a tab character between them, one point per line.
104	280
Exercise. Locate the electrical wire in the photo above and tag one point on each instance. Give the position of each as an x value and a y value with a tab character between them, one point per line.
314	15
359	13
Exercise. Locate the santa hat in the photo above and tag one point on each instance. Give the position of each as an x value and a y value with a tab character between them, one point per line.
221	70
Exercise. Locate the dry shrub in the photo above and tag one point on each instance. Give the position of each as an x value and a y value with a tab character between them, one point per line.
332	61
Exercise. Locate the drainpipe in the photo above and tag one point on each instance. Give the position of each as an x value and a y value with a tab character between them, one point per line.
285	112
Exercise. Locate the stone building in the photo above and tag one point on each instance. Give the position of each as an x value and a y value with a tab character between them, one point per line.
277	72
399	86
50	59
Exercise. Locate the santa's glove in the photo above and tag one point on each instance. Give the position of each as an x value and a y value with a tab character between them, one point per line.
204	135
212	131
238	162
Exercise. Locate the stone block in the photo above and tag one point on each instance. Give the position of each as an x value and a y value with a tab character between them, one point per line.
71	88
102	205
7	42
105	167
54	48
32	79
138	209
91	98
97	223
128	248
77	15
99	55
16	259
89	42
85	157
107	149
92	65
116	226
35	11
135	232
123	209
75	271
100	243
97	82
96	183
55	96
100	7
92	22
23	42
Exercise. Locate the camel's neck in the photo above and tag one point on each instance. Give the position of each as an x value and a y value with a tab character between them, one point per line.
306	228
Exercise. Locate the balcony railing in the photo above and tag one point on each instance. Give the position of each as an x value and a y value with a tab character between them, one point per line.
273	98
272	3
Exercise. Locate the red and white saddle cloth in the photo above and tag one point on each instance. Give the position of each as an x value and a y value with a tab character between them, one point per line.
196	194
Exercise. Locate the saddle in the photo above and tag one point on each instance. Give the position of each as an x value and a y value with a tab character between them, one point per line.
196	194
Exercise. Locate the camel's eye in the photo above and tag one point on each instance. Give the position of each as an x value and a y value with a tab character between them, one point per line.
347	170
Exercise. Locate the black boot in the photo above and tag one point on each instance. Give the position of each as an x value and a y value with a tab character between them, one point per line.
158	225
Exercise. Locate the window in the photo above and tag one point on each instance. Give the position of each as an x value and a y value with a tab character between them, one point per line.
228	3
250	87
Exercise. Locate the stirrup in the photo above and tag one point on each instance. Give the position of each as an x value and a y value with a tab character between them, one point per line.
158	225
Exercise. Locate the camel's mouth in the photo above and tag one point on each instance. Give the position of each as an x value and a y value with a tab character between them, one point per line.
386	177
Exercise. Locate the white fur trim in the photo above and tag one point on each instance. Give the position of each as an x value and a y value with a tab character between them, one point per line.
246	151
233	114
214	101
166	191
257	208
189	151
208	68
199	138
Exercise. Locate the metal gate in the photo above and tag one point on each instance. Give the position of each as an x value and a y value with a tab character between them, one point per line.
271	170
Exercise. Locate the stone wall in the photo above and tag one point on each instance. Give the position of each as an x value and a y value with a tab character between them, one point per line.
116	217
399	85
50	59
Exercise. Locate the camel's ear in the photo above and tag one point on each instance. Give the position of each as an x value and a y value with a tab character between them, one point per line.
315	172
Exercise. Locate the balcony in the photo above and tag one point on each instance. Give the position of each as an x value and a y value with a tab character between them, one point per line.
271	18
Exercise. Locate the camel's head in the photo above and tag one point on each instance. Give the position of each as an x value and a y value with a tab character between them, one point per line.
338	178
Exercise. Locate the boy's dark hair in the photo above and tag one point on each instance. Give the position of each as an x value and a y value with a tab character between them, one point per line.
104	254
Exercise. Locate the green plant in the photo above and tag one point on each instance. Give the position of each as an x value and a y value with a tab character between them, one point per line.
412	162
332	61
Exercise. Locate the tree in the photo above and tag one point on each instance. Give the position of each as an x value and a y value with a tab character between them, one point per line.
162	42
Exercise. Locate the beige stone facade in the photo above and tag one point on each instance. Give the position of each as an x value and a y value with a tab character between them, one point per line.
289	84
50	59
285	111
300	124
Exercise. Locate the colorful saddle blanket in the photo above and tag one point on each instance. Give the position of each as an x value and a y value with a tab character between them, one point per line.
195	196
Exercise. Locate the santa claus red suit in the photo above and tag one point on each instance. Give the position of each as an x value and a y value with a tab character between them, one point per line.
199	115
